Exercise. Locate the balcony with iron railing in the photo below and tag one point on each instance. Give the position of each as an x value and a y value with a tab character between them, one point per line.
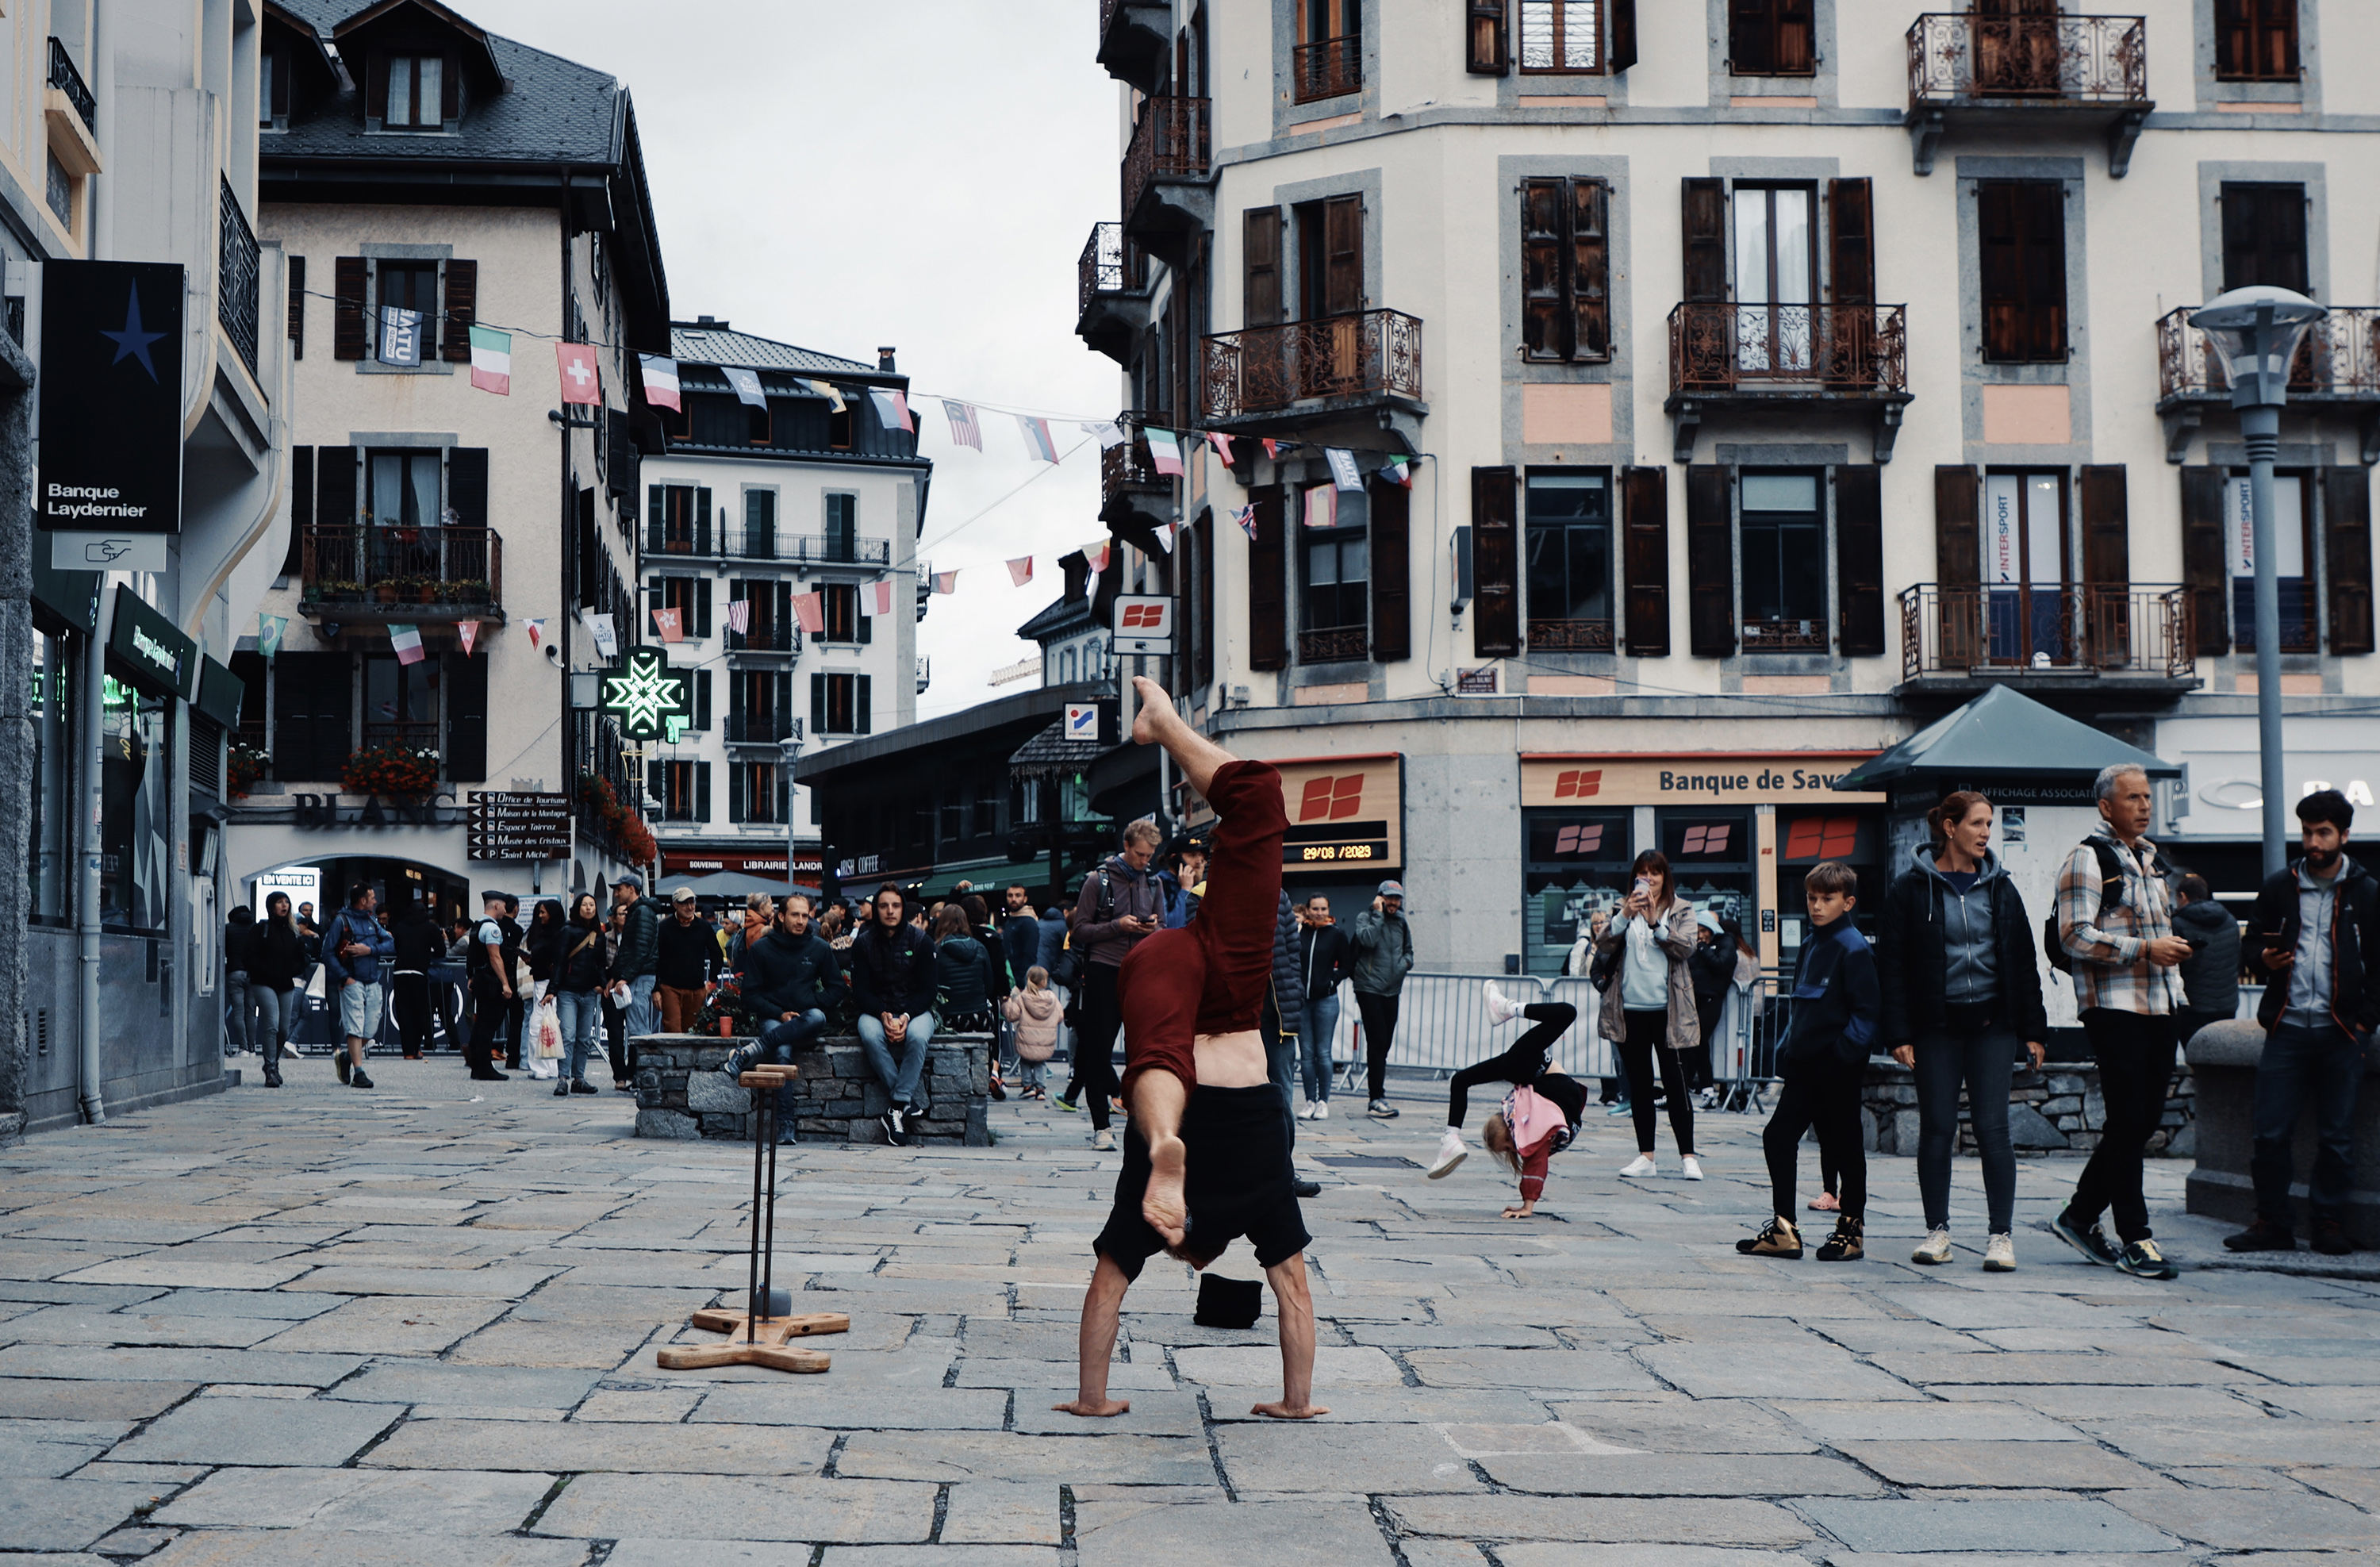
237	280
2127	635
760	728
1132	496
1552	636
2338	365
1112	296
68	80
1169	195
776	636
1331	68
1305	375
403	573
1724	354
1973	65
1346	644
1134	36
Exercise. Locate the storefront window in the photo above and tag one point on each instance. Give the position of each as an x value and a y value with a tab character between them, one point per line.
1576	872
51	731
1806	837
1711	857
136	811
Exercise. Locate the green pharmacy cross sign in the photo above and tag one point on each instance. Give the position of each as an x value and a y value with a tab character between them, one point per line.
645	695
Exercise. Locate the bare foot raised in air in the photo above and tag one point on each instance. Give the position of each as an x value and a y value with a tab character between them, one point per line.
1153	708
1284	1410
1162	1204
1099	1409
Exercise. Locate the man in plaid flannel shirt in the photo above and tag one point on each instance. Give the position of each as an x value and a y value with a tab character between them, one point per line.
2119	936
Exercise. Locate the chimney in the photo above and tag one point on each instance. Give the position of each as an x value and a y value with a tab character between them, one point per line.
884	361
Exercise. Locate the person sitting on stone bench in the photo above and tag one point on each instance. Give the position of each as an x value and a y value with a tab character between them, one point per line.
793	975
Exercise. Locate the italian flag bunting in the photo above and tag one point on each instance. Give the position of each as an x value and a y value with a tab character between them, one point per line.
491	360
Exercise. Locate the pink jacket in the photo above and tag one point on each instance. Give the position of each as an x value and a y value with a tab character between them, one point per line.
1540	1130
1035	1012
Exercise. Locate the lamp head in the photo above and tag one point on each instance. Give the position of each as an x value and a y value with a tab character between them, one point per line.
2255	332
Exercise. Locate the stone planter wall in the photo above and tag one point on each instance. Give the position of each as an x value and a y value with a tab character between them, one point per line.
682	1093
2056	1109
2225	1055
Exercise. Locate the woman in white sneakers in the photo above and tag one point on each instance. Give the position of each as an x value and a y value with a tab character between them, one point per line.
1649	1004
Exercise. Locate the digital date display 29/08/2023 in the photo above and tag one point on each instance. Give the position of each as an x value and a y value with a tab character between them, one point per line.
1337	842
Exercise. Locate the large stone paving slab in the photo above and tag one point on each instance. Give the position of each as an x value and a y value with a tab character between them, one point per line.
2029	1525
1360	1460
265	1432
994	1455
1816	1371
571	1448
1291	1534
49	1514
311	1547
426	1503
1706	1521
742	1508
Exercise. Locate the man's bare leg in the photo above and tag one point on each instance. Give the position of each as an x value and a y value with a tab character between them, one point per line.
1293	1305
1158	1098
1102	1309
1156	724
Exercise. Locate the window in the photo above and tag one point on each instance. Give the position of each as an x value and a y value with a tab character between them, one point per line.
1855	838
415	93
400	703
1560	36
401	490
272	85
759	707
1570	561
757	791
1574	877
1775	267
1329	58
1769	38
2024	570
768	617
838	704
690	596
2294	551
681	521
1783	546
1335	553
2264	237
760	524
842	527
408	286
137	829
2021	233
1329	256
2257	39
845	623
59	191
684	789
1711	859
1566	291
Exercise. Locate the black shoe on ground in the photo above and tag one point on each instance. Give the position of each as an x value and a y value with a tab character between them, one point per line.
1777	1238
2262	1236
1307	1188
2331	1239
358	1079
1848	1244
2092	1242
2143	1260
271	1075
491	1076
340	1064
582	1085
894	1132
561	1090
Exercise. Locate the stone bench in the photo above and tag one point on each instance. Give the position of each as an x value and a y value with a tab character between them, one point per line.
2224	1055
681	1092
2058	1108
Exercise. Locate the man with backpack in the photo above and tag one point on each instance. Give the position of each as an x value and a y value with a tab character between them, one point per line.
2114	924
2314	932
353	945
1119	907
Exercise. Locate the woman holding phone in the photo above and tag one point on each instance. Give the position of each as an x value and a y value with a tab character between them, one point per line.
1649	1004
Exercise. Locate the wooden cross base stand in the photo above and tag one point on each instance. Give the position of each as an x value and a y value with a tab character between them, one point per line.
766	1348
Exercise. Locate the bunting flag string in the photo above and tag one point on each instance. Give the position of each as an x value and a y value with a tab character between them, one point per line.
492	362
1322	506
269	630
1247	518
880	593
892	409
739	616
670	624
1165	532
809	609
965	430
536	633
946	582
747	386
1164	451
1106	432
1342	468
406	642
827	390
1037	444
582	378
1020	571
469	631
661	380
1222	445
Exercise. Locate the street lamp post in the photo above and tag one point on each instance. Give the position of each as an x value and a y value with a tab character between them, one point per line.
2256	331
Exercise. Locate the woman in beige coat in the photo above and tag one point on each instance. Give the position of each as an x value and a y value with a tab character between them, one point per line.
1649	1004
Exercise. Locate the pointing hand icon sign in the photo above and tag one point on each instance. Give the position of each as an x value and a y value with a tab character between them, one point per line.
104	550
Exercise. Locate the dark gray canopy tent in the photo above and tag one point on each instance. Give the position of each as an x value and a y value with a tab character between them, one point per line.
2001	736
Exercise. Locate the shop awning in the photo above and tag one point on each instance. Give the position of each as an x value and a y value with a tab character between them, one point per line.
2002	737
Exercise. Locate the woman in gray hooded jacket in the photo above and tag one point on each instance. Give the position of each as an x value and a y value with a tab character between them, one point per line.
1962	986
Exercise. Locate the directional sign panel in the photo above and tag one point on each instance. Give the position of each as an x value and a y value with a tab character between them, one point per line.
512	824
1144	624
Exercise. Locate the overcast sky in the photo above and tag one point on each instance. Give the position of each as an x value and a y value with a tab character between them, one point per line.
922	174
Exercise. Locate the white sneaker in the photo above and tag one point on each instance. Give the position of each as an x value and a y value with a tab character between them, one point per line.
1934	1249
1643	1165
1305	1111
1692	1168
1500	1008
1999	1253
1451	1153
1322	1110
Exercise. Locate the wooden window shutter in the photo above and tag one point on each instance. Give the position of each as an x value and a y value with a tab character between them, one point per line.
1751	37
2022	232
2235	42
701	626
462	310
1850	223
1589	271
864	626
1261	305
466	718
2203	559
1706	238
2000	270
1202	620
467	485
1859	559
861	684
2107	565
334	487
1621	20
1796	54
1391	564
1957	526
450	90
2044	266
1495	562
702	791
2346	556
1483	31
818	704
702	698
1645	515
1710	563
703	521
348	284
1343	255
1544	331
2263	236
297	306
1267	583
301	509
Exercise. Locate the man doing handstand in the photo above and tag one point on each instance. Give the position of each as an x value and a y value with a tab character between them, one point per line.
1207	1157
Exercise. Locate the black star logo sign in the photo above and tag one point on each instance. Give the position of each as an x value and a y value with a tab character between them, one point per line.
132	343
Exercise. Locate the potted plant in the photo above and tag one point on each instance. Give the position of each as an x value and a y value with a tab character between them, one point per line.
391	768
247	766
385	591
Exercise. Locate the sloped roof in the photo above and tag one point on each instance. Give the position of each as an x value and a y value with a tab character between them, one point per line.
1057	619
1050	755
702	345
2002	735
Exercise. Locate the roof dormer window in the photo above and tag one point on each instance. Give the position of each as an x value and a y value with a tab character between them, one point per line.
415	93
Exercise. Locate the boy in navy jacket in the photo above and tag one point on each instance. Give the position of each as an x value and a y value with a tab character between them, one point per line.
1820	1063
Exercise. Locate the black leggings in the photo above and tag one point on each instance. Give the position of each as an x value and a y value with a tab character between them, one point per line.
1647	1034
1520	1066
1828	1099
1379	1015
1094	1065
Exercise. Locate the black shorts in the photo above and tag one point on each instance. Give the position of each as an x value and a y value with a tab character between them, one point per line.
1238	1182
